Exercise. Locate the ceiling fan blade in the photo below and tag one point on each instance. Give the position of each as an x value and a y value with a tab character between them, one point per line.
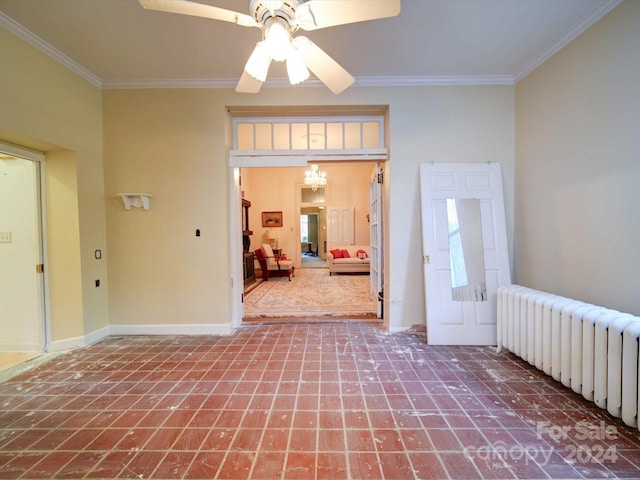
185	7
248	84
330	72
316	14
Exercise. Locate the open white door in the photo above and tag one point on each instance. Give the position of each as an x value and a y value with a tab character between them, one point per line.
464	250
375	237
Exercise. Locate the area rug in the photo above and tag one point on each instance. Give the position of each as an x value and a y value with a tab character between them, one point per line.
311	293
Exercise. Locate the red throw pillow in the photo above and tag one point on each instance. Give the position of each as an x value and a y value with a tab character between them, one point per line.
361	254
345	254
336	253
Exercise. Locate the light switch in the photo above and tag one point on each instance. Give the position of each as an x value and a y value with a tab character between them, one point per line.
5	237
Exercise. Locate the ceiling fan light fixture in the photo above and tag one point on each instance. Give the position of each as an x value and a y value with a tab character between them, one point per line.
278	20
296	69
277	38
258	64
272	5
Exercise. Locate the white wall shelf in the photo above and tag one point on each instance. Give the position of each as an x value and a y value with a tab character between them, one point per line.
136	200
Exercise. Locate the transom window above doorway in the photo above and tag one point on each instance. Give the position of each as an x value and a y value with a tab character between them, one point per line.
316	133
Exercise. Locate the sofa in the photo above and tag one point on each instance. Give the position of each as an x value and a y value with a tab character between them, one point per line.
348	259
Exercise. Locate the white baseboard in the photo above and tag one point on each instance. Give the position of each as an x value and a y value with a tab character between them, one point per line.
101	334
176	329
398	329
66	344
97	336
77	342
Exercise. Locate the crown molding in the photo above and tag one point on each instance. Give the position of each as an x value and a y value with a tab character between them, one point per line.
168	83
405	81
190	83
35	41
576	31
434	81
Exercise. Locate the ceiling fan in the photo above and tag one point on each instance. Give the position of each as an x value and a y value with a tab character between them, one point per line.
279	20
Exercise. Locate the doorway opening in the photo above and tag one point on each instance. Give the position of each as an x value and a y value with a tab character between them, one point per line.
22	279
312	222
263	138
311	202
312	293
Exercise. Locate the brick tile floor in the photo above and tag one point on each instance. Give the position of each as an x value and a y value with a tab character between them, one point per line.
302	401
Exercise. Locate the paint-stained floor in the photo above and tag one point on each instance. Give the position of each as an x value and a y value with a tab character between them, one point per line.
305	401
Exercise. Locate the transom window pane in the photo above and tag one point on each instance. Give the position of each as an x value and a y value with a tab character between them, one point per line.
324	134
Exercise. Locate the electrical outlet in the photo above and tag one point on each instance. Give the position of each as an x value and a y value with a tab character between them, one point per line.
5	237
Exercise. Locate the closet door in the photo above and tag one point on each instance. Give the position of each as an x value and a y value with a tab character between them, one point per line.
340	226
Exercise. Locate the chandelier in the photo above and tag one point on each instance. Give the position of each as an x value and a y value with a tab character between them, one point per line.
314	177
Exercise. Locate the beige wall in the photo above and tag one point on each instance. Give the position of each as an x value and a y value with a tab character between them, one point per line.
172	144
448	124
578	167
48	108
63	238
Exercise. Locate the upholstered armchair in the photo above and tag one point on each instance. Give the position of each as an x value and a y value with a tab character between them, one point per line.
272	265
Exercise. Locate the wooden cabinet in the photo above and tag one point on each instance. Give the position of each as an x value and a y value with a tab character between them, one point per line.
249	268
246	231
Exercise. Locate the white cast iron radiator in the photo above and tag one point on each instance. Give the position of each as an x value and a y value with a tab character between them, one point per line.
593	350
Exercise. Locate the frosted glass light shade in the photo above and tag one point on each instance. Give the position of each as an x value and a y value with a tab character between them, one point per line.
296	69
277	39
258	64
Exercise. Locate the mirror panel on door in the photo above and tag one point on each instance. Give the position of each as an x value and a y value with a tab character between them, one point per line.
466	250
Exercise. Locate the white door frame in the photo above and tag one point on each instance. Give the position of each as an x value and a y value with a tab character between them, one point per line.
45	308
297	249
236	162
236	253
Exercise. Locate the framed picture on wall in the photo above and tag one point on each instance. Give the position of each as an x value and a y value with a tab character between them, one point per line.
271	219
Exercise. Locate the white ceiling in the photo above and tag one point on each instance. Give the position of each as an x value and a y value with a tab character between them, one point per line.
116	43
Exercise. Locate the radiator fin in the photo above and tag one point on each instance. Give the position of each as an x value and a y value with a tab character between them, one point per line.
593	350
